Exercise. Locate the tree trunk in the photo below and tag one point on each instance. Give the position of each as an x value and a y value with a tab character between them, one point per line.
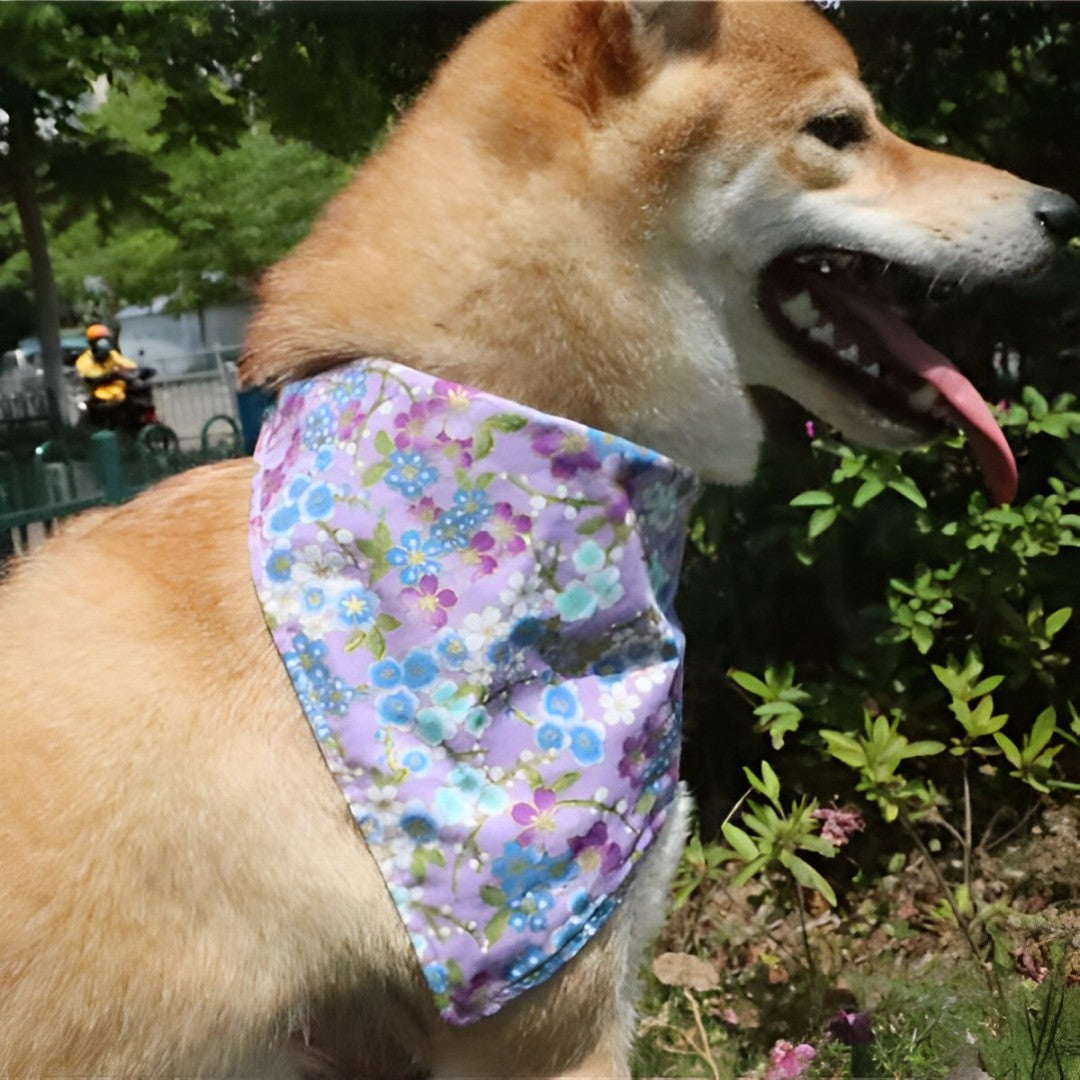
22	134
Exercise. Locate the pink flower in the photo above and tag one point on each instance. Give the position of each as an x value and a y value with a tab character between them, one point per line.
839	824
539	815
811	431
789	1062
410	425
428	598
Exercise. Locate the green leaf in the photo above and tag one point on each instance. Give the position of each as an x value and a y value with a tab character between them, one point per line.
910	490
820	520
482	442
592	525
492	896
507	421
386	622
384	444
807	876
749	683
868	490
376	643
1057	620
741	842
1009	749
565	781
495	928
749	870
374	473
813	498
1041	732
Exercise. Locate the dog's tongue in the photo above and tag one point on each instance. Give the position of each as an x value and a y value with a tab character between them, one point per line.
898	344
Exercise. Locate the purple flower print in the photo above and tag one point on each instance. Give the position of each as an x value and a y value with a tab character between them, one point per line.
593	849
457	399
411	426
538	816
569	451
430	600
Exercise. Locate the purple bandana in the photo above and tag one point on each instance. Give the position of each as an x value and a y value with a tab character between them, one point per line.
474	602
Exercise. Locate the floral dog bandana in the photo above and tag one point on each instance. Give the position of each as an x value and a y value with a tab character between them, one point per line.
474	602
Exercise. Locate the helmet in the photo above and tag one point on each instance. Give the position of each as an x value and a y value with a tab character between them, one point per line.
97	330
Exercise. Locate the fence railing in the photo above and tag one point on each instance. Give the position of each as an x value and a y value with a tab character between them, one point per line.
65	477
50	470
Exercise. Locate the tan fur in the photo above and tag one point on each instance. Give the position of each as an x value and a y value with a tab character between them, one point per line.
573	216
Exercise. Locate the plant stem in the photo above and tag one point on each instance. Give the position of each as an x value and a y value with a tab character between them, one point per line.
991	981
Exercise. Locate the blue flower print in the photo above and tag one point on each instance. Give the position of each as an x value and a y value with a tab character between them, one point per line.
522	870
298	487
660	503
336	695
577	601
417	762
358	607
306	659
283	520
452	650
409	473
526	964
606	586
437	977
350	388
477	721
526	632
324	459
385	674
449	806
561	702
470	509
587	744
589	557
317	503
418	669
313	598
435	725
550	737
279	564
398	708
419	825
319	427
415	556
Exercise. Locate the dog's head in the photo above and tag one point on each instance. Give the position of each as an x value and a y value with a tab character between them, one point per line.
630	213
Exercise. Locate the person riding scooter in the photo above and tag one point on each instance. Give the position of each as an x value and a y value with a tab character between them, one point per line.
117	394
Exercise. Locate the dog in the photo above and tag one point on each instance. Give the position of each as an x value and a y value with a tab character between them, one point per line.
624	214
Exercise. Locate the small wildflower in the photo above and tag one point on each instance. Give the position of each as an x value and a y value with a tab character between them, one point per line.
789	1062
839	824
850	1027
811	430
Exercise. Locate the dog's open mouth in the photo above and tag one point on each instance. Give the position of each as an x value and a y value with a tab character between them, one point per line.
844	313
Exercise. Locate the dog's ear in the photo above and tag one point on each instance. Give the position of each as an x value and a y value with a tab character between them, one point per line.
611	49
674	26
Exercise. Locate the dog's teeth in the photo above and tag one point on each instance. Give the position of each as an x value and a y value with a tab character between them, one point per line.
799	310
850	354
825	334
873	370
923	399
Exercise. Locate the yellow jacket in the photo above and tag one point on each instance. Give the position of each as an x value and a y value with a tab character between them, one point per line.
111	391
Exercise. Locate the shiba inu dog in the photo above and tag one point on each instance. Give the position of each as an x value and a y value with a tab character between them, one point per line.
614	216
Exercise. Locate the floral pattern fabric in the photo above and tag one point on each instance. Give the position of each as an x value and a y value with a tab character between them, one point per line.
474	603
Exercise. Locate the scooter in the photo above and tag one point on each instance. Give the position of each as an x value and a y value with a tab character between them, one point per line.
131	413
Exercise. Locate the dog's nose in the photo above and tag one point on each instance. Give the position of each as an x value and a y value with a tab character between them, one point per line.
1057	213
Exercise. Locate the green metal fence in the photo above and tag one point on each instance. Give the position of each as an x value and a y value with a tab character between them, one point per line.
65	476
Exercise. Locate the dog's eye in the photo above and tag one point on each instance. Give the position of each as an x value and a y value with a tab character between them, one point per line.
838	130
